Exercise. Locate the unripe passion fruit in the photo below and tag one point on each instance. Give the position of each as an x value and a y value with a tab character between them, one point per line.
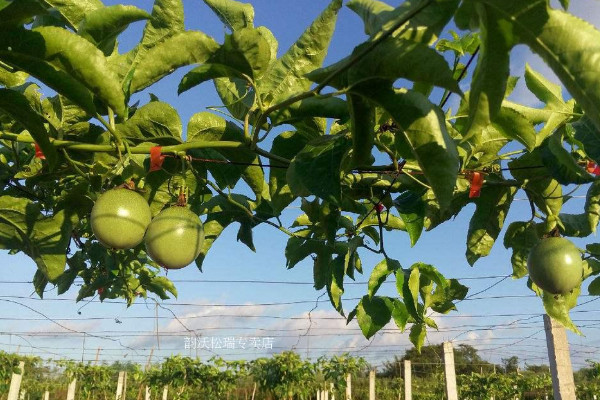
174	237
119	218
555	265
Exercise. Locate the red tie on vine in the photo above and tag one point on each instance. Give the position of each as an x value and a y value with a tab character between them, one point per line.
476	179
156	158
38	152
593	168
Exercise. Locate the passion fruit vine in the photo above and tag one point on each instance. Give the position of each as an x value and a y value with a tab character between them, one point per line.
119	218
555	265
174	237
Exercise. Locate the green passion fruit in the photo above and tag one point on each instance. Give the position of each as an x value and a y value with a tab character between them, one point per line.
555	265
174	238
119	218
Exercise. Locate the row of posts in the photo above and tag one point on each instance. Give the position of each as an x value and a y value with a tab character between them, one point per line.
558	353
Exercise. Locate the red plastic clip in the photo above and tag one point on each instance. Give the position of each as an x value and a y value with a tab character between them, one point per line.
593	168
38	152
156	159
476	179
379	208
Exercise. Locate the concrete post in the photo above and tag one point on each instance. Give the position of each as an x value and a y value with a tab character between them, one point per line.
165	393
372	385
451	392
71	390
22	395
46	395
148	393
348	387
15	383
560	360
120	385
407	380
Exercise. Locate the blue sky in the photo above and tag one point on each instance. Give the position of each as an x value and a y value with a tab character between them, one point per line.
216	308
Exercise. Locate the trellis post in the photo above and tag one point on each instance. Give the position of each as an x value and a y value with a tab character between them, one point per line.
449	371
560	360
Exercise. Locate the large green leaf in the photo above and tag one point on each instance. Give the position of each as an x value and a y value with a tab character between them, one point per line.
559	162
167	19
286	145
206	126
18	107
521	237
411	207
373	13
558	306
514	126
491	74
487	221
16	13
390	60
380	273
154	122
43	238
245	53
362	114
9	78
102	26
423	27
73	11
592	205
181	49
236	15
566	43
317	168
286	76
373	314
66	62
313	107
588	135
424	128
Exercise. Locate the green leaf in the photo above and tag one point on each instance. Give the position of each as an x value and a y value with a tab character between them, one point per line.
373	13
286	76
66	62
176	51
19	12
542	189
587	133
423	126
287	145
389	60
40	281
154	122
424	27
565	42
411	207
205	126
10	79
329	107
160	285
574	225
592	205
547	92
521	237
213	226
167	19
559	162
74	11
373	314
43	238
410	291
380	273
297	249
102	26
418	333
317	168
336	288
491	74
558	306
514	126
245	235
245	53
234	14
17	106
594	287
487	221
362	115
